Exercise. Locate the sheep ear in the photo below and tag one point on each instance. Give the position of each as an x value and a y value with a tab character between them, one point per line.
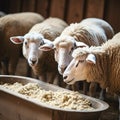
17	39
47	46
80	44
91	58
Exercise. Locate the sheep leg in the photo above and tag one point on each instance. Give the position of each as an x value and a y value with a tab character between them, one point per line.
4	66
92	89
13	65
29	71
102	94
85	87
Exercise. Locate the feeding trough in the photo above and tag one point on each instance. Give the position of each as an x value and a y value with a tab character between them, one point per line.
14	106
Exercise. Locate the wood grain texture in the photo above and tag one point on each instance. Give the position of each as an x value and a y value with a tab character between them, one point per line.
75	11
42	7
57	8
94	8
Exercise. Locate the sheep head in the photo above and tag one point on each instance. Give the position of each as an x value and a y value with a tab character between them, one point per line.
31	43
77	69
81	65
63	47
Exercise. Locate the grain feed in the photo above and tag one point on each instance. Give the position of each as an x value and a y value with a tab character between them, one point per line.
61	99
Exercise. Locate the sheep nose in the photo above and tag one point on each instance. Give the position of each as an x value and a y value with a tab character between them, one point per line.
33	61
65	77
62	69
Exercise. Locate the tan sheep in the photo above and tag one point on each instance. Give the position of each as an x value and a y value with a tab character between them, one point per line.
42	63
97	64
10	25
90	31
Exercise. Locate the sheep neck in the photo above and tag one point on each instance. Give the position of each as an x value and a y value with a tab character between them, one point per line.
46	63
98	72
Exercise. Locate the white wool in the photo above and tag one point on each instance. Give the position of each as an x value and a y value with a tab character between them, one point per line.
34	36
87	50
65	38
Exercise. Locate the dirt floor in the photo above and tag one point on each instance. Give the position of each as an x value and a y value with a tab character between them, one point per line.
110	114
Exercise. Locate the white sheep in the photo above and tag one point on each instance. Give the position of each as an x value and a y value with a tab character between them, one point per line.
42	63
90	31
99	64
10	25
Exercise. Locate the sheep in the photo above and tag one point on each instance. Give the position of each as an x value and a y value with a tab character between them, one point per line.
90	31
10	25
99	64
96	64
42	63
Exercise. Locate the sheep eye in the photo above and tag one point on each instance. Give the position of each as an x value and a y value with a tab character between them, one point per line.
41	43
26	43
54	49
77	64
71	50
80	61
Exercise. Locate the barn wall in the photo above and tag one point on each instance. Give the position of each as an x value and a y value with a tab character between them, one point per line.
69	10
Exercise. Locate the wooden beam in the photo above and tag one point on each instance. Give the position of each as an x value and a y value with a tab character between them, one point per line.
112	14
42	7
75	11
94	8
28	5
57	8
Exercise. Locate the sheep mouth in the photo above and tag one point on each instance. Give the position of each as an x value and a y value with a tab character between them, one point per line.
32	64
70	82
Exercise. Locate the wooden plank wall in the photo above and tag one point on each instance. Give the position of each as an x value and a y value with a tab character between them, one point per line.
69	10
